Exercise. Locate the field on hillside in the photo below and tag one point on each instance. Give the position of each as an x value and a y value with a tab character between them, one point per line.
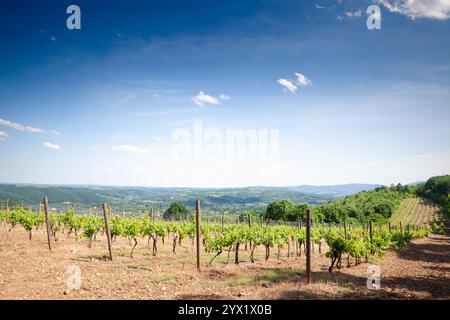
416	211
31	271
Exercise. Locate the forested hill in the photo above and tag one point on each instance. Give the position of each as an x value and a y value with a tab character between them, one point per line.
141	197
437	189
376	205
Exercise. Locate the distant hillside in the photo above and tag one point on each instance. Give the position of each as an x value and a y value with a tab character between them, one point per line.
341	190
137	198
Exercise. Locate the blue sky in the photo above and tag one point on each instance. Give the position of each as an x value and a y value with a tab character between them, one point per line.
100	105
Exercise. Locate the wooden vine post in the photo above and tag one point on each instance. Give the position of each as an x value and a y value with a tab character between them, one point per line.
108	231
47	223
371	235
6	216
197	231
345	229
308	246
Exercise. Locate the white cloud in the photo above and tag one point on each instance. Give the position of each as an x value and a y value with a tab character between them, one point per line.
56	133
52	38
158	139
319	6
302	80
51	146
19	127
3	136
351	14
224	97
287	84
433	9
130	149
203	98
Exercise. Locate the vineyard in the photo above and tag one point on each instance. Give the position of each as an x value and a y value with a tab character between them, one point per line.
417	212
355	243
151	256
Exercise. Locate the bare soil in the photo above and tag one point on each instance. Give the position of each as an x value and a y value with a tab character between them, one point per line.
28	270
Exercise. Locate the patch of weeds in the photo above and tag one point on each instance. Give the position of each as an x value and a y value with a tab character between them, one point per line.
164	278
241	281
324	278
349	285
136	266
266	278
376	295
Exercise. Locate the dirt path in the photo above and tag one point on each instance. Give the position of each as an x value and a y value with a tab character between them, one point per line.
29	271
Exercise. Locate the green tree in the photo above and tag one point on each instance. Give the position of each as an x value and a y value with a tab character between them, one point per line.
279	210
176	211
297	213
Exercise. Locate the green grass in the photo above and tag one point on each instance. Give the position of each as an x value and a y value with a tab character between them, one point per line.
164	278
266	278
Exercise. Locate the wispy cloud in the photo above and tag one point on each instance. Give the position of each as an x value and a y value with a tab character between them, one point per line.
130	149
51	146
224	97
46	34
287	84
319	6
157	139
352	14
19	127
302	80
432	9
3	136
202	98
56	132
